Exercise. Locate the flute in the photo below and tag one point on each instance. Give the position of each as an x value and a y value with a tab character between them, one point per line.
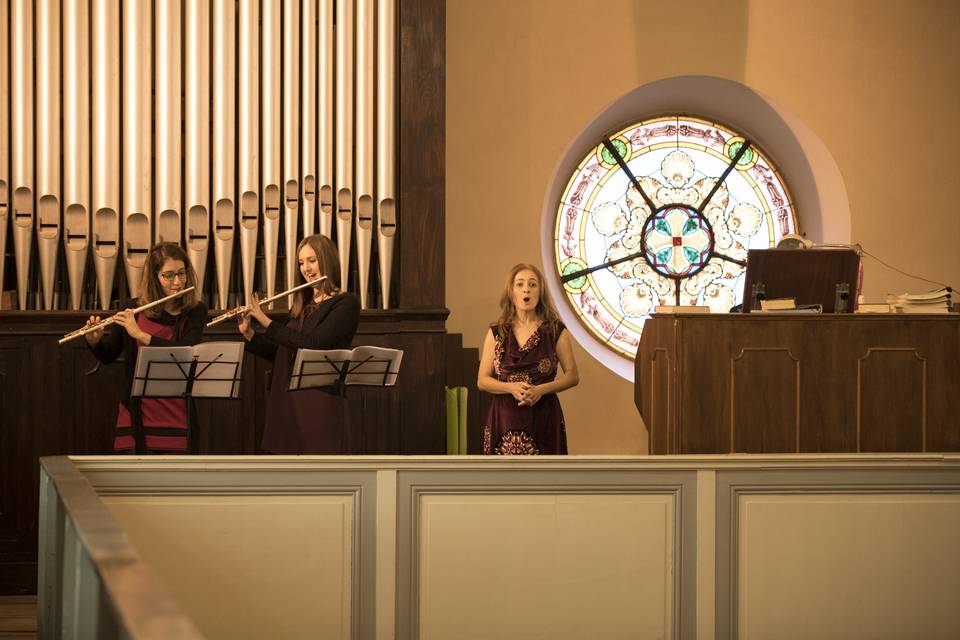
108	321
241	310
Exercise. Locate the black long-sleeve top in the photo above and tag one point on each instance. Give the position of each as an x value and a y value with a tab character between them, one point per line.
331	326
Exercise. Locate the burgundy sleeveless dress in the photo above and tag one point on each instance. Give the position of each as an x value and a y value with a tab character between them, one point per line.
512	429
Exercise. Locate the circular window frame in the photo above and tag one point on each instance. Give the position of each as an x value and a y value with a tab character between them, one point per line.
815	183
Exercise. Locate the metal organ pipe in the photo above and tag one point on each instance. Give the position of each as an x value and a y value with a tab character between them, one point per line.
48	143
4	131
344	142
105	152
270	138
224	142
325	106
136	140
291	135
167	179
21	116
76	143
386	143
283	111
308	114
248	152
197	135
366	24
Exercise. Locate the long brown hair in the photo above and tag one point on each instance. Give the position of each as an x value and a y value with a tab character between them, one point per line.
150	289
328	261
545	310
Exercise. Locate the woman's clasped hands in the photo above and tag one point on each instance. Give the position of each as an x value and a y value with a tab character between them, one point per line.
525	394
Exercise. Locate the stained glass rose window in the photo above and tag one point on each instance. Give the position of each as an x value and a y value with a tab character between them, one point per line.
663	213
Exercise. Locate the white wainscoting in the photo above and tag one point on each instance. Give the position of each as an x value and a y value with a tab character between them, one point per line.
249	566
563	547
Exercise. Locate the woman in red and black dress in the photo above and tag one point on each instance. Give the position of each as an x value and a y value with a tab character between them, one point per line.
176	322
308	421
521	352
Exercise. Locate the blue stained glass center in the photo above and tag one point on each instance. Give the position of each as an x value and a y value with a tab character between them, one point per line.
677	241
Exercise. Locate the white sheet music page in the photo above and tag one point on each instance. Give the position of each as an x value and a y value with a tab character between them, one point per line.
162	372
218	369
317	368
374	366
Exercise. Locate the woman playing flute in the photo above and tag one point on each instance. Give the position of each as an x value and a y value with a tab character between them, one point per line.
178	321
308	421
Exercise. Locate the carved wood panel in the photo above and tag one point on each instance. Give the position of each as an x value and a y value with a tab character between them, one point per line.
661	422
891	400
764	393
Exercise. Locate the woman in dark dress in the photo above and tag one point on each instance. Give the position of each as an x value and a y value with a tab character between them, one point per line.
177	322
308	421
521	352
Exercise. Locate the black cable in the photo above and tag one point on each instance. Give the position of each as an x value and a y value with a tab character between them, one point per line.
909	275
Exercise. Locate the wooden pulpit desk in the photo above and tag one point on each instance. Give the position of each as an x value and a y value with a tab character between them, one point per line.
800	383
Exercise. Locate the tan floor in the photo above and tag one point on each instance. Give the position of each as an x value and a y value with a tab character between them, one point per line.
18	617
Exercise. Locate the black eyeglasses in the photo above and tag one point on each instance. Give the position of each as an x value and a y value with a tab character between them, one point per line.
170	275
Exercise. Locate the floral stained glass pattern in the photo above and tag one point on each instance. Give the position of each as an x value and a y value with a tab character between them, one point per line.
664	212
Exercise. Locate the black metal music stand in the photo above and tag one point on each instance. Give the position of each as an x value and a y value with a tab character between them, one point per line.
362	366
207	370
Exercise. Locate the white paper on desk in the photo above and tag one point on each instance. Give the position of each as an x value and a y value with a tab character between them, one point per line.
168	368
218	369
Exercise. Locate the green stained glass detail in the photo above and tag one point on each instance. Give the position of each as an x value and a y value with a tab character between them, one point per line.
621	148
577	283
662	227
690	227
663	256
735	149
692	256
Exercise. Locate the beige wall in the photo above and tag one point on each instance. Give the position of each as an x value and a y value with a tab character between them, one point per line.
874	79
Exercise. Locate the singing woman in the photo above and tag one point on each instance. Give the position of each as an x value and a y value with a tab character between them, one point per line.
308	421
519	364
176	322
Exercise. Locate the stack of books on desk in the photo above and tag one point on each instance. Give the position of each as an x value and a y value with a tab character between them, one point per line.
938	301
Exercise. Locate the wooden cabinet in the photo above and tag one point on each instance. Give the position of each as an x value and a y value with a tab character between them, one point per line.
758	383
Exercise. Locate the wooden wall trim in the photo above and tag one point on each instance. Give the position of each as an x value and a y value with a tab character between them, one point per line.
422	163
142	603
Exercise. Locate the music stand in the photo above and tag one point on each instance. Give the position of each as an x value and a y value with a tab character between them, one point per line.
362	366
829	278
206	370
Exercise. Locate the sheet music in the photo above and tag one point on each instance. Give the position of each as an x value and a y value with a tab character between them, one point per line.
164	372
318	368
218	369
367	366
374	366
168	370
